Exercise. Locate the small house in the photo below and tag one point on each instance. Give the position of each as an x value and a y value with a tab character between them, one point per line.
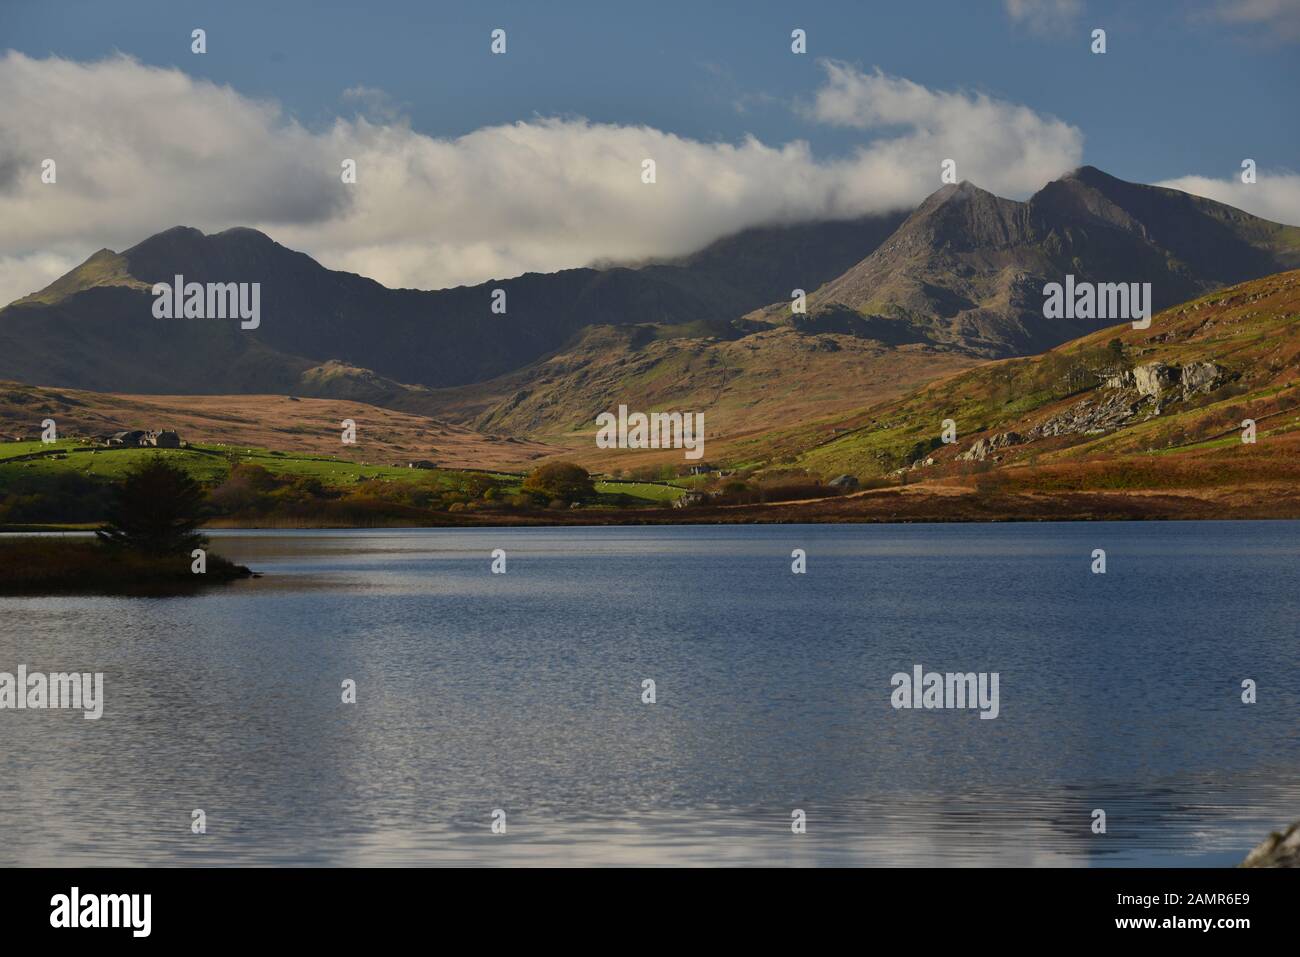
131	438
163	439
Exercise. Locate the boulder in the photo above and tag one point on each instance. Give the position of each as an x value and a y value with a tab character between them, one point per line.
1154	378
1278	850
984	447
1201	377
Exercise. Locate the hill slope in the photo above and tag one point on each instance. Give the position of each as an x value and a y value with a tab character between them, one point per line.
301	426
1120	408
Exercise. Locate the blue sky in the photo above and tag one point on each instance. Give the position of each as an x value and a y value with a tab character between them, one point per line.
475	166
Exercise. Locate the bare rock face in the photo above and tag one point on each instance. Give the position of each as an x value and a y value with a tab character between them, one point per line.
1200	377
1096	414
1154	378
984	447
1278	850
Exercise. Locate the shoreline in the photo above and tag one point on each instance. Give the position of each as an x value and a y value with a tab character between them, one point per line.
777	514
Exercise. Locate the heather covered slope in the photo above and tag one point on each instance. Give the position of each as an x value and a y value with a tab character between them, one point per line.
1121	408
302	426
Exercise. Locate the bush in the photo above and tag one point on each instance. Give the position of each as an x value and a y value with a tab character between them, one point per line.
564	482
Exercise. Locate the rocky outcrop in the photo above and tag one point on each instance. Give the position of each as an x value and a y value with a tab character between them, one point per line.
1156	380
1278	850
987	445
1144	391
1201	377
1099	413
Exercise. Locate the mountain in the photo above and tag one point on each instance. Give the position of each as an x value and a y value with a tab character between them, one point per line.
94	327
896	302
967	269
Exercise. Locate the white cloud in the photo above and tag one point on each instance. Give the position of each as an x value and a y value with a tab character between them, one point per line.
1003	147
140	149
1279	19
22	274
1043	16
1275	195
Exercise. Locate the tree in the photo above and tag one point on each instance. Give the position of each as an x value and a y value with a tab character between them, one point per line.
156	510
563	481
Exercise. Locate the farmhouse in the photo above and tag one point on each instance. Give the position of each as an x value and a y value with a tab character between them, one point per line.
134	438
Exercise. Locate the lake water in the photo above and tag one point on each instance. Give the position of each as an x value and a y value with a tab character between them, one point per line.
523	692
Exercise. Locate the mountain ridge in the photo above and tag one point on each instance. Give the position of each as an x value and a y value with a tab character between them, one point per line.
967	268
956	280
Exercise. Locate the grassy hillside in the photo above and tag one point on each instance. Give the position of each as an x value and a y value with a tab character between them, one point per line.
1076	409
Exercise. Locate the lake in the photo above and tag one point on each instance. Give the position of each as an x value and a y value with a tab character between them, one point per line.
523	692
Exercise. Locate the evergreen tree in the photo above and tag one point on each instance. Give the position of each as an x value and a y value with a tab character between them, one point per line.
156	510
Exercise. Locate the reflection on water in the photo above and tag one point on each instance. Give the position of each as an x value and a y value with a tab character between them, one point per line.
523	692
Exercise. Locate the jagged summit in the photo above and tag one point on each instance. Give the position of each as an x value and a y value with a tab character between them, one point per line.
966	269
966	216
237	254
1092	176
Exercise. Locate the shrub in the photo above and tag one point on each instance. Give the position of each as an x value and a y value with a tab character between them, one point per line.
564	482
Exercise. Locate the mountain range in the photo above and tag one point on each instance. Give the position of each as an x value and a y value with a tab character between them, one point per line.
893	302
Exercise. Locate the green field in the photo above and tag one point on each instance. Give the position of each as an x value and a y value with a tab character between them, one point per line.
211	464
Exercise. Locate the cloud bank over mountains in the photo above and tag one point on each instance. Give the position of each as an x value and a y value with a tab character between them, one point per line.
141	148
